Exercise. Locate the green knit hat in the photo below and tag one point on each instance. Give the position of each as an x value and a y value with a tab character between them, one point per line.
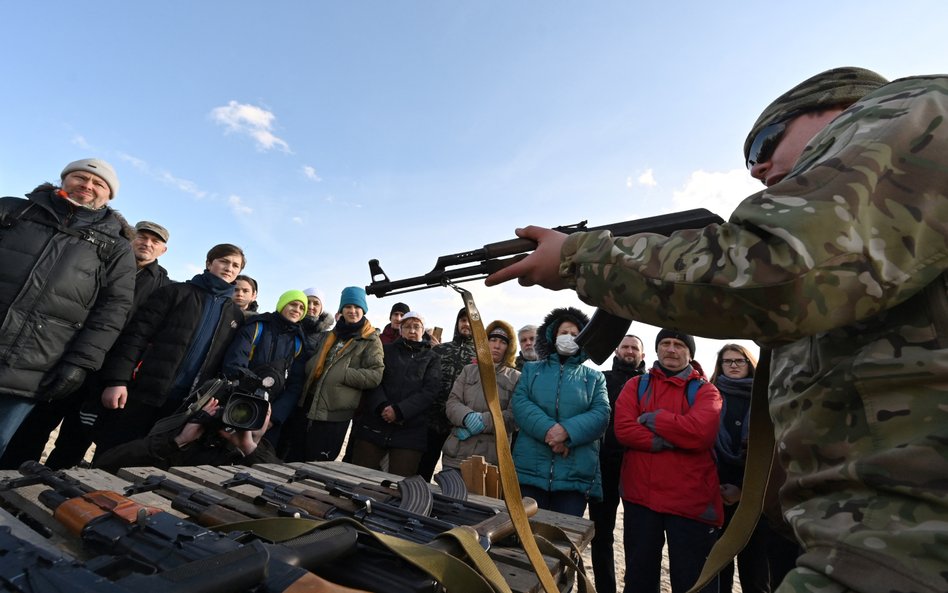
838	86
290	296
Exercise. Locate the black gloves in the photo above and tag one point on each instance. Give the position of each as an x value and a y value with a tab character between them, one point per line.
65	379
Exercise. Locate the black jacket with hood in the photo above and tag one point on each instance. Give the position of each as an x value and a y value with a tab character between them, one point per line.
410	382
67	279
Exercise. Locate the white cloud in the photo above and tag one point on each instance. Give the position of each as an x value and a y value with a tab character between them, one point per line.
81	142
251	120
310	173
238	206
184	185
648	178
718	192
297	220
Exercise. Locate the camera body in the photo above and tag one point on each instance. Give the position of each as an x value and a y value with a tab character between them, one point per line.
243	403
245	410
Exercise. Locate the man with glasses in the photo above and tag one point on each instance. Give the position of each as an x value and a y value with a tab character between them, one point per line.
840	265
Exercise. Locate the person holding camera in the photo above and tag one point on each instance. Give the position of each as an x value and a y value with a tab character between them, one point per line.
195	436
273	345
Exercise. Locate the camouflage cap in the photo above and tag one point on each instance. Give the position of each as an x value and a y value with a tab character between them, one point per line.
827	89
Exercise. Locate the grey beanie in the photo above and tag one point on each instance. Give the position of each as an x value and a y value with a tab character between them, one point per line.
96	167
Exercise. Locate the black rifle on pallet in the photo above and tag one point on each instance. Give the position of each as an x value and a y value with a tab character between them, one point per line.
132	537
368	566
207	507
28	568
333	504
604	331
453	510
373	513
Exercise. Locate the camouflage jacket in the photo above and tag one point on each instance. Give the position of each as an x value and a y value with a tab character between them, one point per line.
842	267
455	355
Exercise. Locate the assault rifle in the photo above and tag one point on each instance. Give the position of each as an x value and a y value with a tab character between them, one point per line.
412	494
368	566
28	568
205	506
604	330
373	513
131	536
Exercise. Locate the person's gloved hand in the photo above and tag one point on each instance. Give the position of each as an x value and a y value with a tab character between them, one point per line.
462	433
65	379
474	423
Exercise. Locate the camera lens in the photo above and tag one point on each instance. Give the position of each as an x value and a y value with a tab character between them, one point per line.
241	414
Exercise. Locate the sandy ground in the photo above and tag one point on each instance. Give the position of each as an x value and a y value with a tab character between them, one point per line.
619	555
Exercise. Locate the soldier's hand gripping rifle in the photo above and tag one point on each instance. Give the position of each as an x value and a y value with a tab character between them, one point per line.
604	331
133	535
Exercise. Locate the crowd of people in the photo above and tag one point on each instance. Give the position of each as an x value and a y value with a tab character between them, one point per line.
137	385
839	264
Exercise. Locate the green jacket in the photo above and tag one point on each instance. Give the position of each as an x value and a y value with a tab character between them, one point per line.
842	267
350	367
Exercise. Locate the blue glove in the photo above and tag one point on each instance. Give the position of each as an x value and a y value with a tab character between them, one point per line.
474	423
462	433
648	420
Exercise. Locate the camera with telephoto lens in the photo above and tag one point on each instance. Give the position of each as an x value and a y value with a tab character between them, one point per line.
243	403
247	404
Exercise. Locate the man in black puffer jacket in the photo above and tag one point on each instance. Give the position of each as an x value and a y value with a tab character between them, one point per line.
175	341
66	285
628	362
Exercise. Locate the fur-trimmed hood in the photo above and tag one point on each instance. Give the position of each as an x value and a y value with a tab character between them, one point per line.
511	355
128	231
546	342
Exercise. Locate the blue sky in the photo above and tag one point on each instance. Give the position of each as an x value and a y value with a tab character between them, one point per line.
319	135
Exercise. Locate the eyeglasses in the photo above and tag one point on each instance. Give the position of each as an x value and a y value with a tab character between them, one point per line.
412	326
734	362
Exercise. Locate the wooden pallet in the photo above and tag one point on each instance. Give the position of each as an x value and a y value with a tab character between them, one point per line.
510	559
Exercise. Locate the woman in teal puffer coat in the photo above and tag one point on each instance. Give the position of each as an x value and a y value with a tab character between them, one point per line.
562	409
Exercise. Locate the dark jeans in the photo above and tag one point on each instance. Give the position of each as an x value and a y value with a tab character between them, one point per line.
71	445
313	440
568	502
603	514
401	462
689	542
431	456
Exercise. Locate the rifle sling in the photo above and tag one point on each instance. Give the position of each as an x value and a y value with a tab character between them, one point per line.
760	454
508	475
479	575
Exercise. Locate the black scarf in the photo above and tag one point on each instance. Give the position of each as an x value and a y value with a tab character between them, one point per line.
345	330
724	446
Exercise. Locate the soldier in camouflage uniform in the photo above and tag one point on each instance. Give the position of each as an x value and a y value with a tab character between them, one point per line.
455	355
840	265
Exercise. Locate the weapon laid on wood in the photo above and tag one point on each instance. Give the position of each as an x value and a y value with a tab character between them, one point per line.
604	330
131	536
376	514
447	508
207	507
336	503
367	566
28	568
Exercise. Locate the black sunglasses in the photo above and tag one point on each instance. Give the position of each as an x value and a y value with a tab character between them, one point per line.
765	143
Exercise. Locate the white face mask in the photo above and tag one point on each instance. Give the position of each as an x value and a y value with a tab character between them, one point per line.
566	345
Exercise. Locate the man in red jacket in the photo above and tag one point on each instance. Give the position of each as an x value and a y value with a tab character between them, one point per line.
668	420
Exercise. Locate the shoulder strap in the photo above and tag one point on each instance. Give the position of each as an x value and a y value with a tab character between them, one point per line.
256	338
760	457
692	390
644	382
